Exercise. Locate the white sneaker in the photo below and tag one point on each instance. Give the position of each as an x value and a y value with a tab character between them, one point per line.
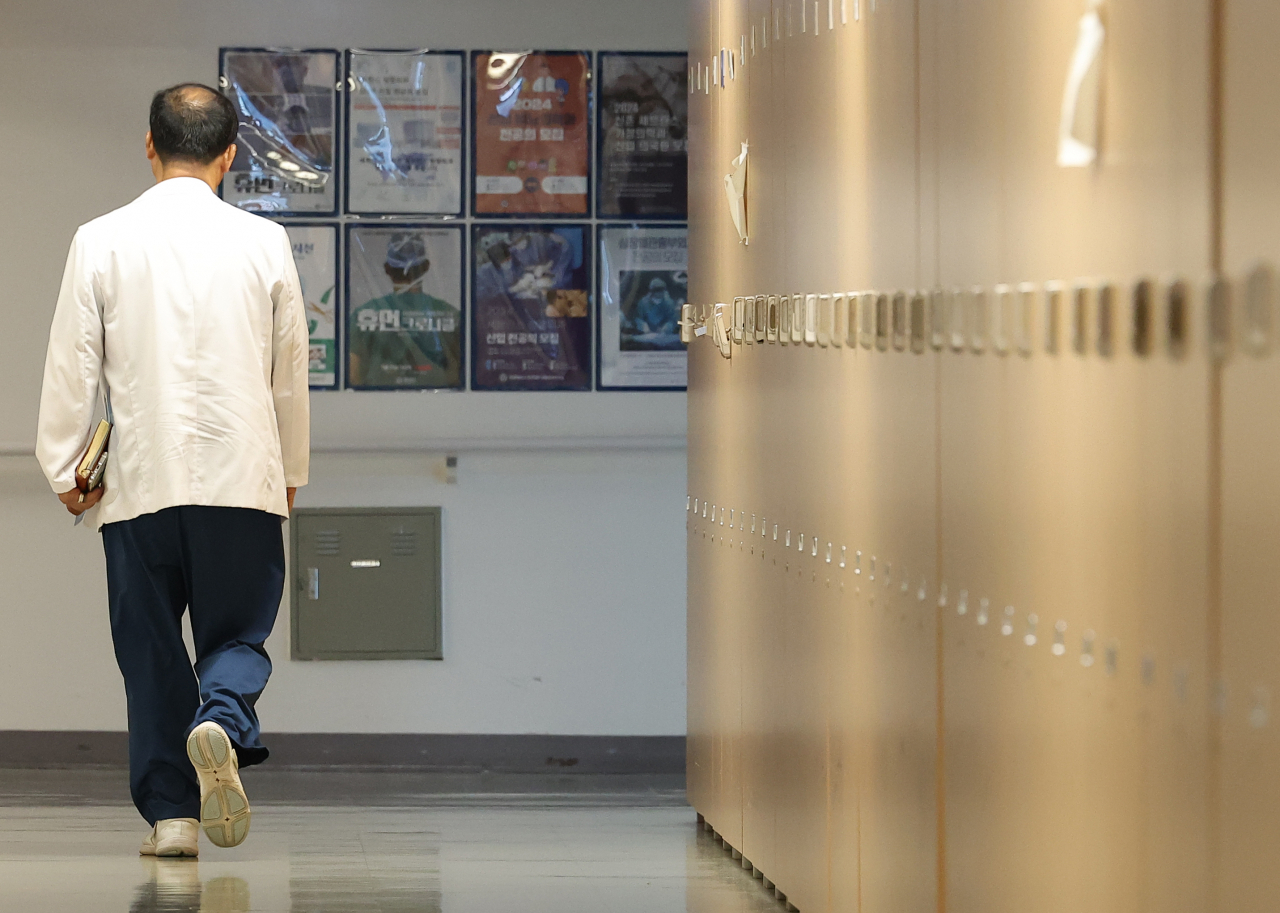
172	837
224	808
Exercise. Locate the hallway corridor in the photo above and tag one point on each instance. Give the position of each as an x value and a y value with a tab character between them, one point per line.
392	843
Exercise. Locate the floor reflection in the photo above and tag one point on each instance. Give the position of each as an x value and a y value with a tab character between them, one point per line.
461	854
174	886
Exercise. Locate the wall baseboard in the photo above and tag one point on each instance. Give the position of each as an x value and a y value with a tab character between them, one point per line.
590	754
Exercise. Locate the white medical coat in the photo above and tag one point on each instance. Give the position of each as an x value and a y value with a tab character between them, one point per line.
192	311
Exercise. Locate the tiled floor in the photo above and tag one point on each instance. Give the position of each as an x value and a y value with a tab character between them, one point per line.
349	843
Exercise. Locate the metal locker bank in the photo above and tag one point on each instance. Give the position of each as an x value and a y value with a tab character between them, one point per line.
982	512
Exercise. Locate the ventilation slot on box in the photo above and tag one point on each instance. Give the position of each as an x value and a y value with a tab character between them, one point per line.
404	543
328	542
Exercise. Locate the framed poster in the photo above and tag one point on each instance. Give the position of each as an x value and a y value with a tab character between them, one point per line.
315	251
404	132
288	106
642	144
531	133
404	306
644	279
530	307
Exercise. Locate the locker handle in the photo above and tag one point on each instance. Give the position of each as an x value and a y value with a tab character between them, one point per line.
1053	294
900	319
882	322
1256	334
1219	319
977	322
1176	320
1106	318
916	322
1143	293
313	583
937	319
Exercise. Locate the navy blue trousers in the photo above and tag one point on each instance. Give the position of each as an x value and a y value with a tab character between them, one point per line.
226	566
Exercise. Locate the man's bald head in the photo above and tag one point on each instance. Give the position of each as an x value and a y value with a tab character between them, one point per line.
192	122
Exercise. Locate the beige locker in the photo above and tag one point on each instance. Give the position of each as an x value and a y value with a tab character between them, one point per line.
703	725
807	148
764	664
1092	485
1248	782
1055	467
895	633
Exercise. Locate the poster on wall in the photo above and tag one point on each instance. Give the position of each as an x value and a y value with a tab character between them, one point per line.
404	132
644	279
530	123
643	125
288	107
315	251
531	309
404	307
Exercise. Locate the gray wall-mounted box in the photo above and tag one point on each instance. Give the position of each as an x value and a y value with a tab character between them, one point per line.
366	583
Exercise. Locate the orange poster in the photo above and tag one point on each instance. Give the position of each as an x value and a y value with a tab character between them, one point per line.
531	127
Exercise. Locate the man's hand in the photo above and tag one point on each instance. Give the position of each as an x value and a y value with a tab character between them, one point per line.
75	506
290	492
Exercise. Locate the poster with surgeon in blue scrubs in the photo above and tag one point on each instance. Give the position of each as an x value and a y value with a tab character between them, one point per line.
531	307
644	281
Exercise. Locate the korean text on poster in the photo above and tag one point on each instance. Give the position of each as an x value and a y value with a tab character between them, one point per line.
644	280
404	136
531	133
531	317
315	251
643	143
404	294
287	102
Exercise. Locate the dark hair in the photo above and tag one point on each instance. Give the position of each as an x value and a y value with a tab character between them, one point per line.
192	122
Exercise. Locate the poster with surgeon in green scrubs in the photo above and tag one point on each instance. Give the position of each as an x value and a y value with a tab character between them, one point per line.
405	300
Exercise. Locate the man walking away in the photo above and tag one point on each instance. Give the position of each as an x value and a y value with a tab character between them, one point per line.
186	314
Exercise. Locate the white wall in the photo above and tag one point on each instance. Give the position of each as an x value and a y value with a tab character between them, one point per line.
564	540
